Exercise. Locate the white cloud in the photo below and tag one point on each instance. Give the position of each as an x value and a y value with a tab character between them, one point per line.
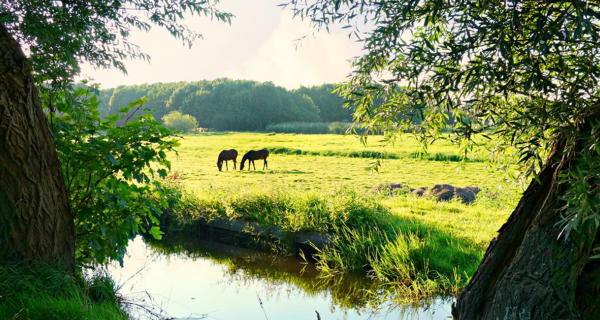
322	58
259	45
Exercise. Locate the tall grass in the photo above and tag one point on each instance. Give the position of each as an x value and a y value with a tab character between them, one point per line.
41	291
373	154
312	127
299	127
394	239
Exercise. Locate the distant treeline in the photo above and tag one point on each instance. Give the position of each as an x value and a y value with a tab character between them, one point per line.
237	105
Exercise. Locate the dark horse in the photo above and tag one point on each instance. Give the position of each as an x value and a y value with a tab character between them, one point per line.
255	155
226	155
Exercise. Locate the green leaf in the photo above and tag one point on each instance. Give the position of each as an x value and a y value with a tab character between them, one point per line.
156	233
112	159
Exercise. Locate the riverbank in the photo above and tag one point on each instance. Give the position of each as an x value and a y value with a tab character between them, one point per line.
422	246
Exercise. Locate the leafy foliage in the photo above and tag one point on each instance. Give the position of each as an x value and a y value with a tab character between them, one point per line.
108	170
328	102
528	70
223	104
61	34
180	121
227	104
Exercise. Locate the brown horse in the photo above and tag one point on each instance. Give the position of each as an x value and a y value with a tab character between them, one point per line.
255	155
226	155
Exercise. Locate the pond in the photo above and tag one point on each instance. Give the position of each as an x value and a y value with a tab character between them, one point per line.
204	279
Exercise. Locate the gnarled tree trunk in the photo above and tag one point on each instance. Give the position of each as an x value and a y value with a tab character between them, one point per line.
35	221
530	271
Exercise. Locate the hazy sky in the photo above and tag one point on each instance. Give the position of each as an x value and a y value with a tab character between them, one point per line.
258	45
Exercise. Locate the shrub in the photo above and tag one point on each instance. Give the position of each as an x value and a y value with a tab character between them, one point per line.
180	121
107	170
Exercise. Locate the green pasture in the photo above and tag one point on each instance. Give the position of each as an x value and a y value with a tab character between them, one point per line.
321	161
321	183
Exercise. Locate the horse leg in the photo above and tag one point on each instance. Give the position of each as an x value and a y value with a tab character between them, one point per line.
234	163
254	165
265	164
226	165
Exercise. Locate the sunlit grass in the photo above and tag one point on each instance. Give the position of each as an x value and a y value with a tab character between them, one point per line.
424	246
40	291
321	183
321	161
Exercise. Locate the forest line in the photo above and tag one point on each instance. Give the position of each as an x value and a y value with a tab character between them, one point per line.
236	105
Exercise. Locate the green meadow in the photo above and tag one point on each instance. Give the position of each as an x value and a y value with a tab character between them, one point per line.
322	183
320	161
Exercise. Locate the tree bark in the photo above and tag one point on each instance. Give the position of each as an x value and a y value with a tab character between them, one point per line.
530	271
35	220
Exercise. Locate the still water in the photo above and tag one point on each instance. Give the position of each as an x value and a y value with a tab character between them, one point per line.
203	279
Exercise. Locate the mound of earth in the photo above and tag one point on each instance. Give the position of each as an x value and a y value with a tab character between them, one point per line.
419	191
387	187
445	192
441	191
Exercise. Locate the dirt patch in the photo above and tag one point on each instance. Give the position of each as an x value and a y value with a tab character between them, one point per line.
388	187
441	191
446	192
419	191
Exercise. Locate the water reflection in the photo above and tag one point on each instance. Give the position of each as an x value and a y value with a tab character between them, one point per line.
196	278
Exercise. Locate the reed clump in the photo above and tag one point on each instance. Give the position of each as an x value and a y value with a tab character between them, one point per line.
314	128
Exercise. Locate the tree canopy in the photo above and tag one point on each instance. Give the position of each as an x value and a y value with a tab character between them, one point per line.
59	35
101	176
226	104
528	70
524	75
329	102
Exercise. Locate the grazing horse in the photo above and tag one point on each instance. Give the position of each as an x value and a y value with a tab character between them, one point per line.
255	155
226	155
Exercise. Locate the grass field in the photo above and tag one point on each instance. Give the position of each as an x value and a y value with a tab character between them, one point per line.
321	183
319	161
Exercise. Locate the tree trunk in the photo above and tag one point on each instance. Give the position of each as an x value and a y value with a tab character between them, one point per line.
35	221
530	271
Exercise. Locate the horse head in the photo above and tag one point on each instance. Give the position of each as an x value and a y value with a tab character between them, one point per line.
220	165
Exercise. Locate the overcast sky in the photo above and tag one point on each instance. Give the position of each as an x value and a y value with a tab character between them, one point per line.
258	45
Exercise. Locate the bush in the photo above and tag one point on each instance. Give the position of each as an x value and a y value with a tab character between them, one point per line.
107	170
180	121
